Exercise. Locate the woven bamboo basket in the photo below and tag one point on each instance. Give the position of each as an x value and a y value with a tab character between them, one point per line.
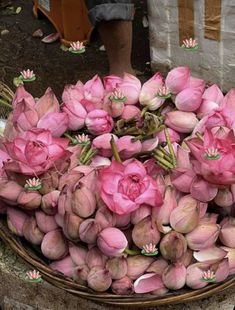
32	258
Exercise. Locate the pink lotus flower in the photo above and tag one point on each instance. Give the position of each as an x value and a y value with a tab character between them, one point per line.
148	94
178	79
27	74
99	122
77	46
22	95
215	158
35	151
124	187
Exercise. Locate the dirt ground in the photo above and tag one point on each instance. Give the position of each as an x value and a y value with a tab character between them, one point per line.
53	67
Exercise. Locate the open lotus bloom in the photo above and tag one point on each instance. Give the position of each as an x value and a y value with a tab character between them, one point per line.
214	158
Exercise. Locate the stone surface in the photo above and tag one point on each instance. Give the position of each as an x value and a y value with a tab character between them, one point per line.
17	294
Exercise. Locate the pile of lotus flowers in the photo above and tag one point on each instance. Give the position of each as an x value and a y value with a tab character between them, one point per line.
124	187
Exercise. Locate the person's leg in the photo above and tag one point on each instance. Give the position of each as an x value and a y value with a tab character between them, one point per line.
113	19
117	38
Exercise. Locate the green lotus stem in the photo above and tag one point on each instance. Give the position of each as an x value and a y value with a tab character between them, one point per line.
162	166
3	102
163	150
132	252
199	136
163	161
70	138
84	151
162	155
171	150
115	150
89	155
145	109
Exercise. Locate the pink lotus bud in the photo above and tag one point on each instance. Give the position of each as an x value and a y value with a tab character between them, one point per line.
137	265
122	221
210	255
83	202
212	99
142	212
148	283
15	221
102	144
158	266
117	267
173	246
69	180
127	148
89	230
59	220
178	79
50	182
174	276
99	279
111	241
231	259
45	222
174	136
78	254
196	83
183	122
82	273
71	226
99	122
65	201
31	231
224	198
221	270
187	258
189	99
203	236
116	108
202	190
162	214
49	202
65	266
130	111
209	218
10	191
54	245
227	232
145	232
123	286
29	200
195	275
51	120
95	258
105	218
149	145
185	217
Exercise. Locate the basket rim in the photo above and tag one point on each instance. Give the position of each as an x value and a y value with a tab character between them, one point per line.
146	300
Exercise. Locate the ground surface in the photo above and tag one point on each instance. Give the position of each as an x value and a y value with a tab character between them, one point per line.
54	67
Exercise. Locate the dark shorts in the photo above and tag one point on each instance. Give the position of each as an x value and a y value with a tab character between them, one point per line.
99	10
